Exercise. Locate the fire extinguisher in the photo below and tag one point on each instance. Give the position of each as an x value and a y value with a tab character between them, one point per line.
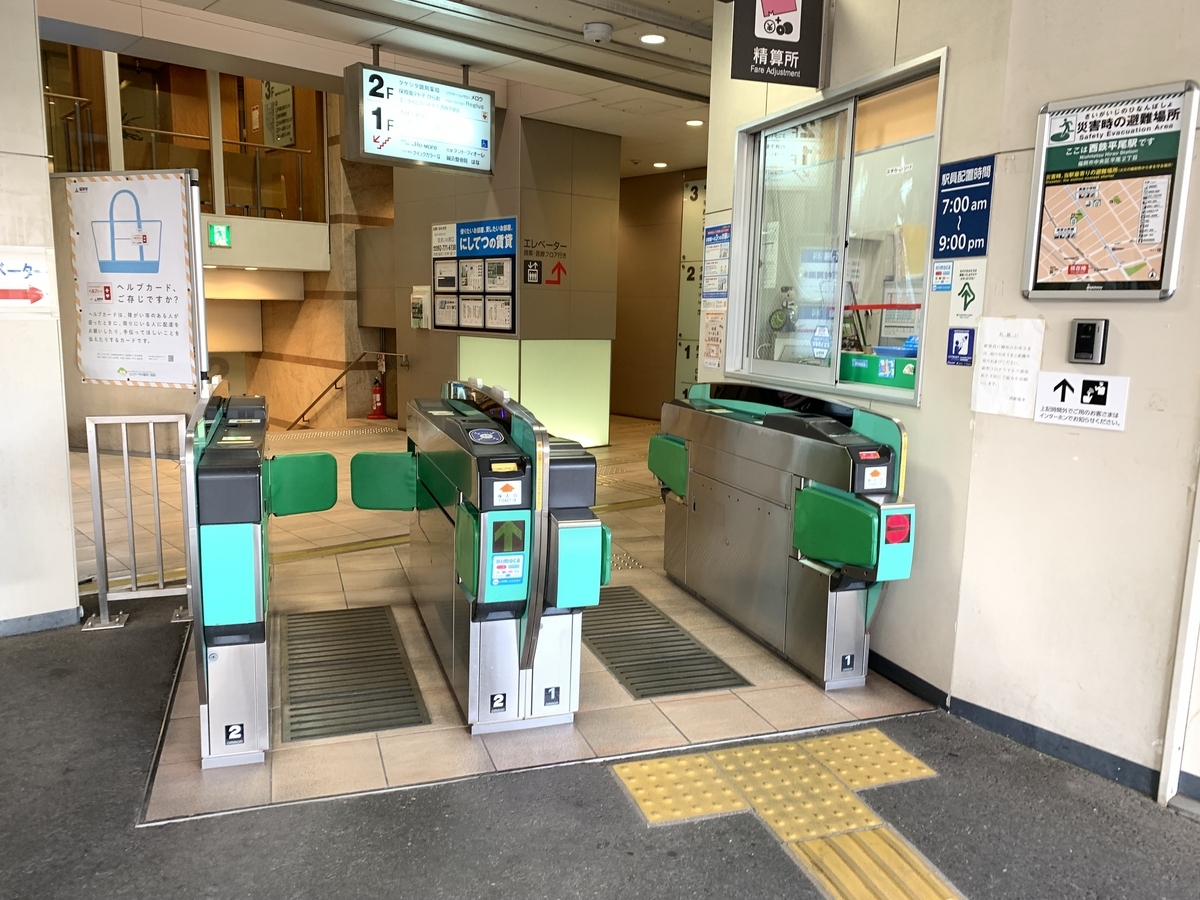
377	410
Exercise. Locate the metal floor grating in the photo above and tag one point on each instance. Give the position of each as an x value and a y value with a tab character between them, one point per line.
647	652
344	671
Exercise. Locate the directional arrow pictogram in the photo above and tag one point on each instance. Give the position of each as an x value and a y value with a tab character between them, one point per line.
1062	387
968	295
32	294
508	537
558	272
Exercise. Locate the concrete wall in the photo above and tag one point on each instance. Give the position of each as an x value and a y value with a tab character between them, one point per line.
1025	600
643	370
37	550
563	184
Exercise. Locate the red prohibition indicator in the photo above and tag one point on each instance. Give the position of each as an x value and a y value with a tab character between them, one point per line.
897	529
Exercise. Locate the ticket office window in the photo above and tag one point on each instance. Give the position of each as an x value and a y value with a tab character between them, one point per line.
839	225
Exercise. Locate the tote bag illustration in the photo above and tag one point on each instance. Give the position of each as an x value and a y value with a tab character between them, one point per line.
127	246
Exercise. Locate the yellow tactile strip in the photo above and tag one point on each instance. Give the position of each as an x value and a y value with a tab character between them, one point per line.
871	863
795	795
864	759
804	791
679	787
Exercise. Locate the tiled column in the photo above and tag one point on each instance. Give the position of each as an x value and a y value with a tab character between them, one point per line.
37	552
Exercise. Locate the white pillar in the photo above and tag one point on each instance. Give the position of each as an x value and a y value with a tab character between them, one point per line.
112	111
216	134
38	587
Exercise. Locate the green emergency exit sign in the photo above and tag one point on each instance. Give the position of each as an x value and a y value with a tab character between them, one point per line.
220	235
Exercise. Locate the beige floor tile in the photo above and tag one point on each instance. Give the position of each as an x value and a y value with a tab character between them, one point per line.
764	669
185	789
589	662
727	641
628	729
879	697
537	746
713	717
443	709
600	690
795	706
187	702
387	596
301	568
299	772
306	584
433	756
693	616
283	604
181	743
370	580
369	560
428	672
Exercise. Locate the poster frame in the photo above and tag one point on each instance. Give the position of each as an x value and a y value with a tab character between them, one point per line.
1172	246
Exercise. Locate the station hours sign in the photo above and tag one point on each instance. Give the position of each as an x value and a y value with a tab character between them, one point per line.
398	119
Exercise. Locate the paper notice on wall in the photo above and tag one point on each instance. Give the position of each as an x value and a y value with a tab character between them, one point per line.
1008	354
712	351
132	261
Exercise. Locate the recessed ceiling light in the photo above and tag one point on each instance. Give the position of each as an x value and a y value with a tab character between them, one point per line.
695	123
660	165
251	268
653	39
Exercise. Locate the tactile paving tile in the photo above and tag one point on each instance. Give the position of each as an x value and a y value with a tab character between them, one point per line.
874	863
864	759
679	787
795	795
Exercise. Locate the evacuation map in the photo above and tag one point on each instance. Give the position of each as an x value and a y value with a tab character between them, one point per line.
1106	194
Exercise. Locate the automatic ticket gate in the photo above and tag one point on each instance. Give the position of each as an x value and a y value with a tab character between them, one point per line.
504	551
784	512
236	488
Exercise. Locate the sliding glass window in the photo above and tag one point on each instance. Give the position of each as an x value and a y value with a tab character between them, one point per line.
840	218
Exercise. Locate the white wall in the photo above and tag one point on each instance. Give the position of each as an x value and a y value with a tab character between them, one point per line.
1050	561
37	547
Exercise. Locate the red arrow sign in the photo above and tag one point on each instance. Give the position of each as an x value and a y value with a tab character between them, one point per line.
558	272
32	294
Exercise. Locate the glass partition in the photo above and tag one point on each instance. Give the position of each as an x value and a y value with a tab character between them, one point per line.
804	168
839	225
73	91
164	119
273	149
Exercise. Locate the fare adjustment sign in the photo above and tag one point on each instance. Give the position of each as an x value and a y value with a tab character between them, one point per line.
398	119
778	41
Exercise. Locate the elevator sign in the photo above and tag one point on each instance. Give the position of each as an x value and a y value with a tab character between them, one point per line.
399	119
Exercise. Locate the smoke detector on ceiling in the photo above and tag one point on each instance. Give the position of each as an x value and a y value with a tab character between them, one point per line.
597	32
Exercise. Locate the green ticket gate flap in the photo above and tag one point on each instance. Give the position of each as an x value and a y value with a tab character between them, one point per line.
836	527
466	548
668	460
301	483
383	480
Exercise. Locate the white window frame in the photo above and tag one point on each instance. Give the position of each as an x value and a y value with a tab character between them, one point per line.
748	185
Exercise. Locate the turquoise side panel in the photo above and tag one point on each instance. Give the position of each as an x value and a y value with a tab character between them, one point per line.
227	574
579	566
506	546
895	560
882	429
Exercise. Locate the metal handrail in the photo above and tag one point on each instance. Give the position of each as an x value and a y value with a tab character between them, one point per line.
263	146
182	134
81	108
403	357
331	386
82	101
